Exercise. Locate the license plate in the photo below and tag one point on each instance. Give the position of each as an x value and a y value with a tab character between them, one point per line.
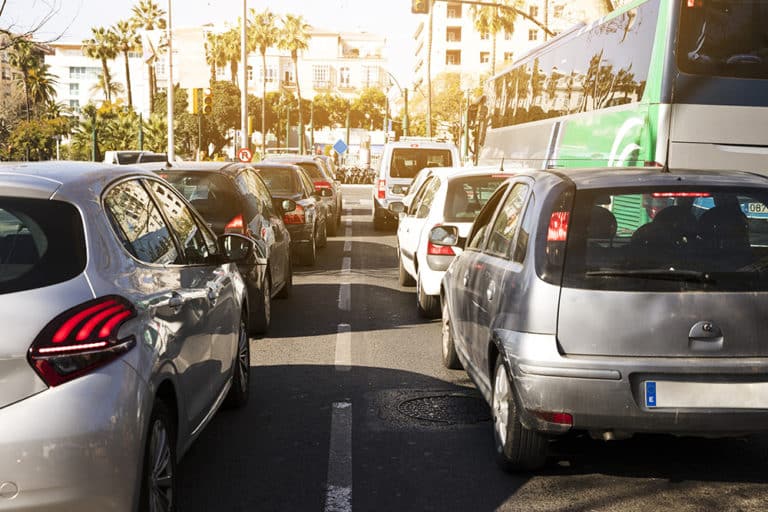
706	395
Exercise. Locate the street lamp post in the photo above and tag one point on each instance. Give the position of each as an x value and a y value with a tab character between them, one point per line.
244	142
404	95
170	95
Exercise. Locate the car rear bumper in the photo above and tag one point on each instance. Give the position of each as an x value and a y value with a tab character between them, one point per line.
608	394
387	209
77	446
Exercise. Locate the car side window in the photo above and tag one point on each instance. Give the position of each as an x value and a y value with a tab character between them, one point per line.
262	192
247	187
524	234
417	197
139	224
182	223
426	200
503	232
309	187
480	227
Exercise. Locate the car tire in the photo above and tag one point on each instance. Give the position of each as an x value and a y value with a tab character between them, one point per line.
428	305
159	475
333	228
323	241
450	357
309	252
379	224
241	371
517	448
287	289
403	277
261	311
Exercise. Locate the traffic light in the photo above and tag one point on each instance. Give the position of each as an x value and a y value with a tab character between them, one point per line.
207	101
420	6
194	100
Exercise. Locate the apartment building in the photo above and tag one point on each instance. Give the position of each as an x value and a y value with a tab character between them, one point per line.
458	47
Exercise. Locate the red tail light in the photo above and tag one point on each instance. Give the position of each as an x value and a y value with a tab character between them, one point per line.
439	250
81	339
322	184
558	227
561	418
236	225
382	189
679	194
296	216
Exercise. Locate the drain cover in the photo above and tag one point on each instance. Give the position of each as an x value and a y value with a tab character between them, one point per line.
448	409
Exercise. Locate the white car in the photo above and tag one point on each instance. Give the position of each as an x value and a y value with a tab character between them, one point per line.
446	198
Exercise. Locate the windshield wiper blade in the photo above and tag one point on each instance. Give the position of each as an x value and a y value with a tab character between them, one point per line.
666	274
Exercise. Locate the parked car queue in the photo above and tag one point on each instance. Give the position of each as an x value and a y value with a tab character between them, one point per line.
607	302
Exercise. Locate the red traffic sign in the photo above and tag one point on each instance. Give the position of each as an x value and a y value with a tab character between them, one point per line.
244	155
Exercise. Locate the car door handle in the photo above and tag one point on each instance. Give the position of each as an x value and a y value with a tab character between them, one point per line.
465	279
213	294
490	293
176	301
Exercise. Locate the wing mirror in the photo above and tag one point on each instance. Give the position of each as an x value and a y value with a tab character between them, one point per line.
236	248
444	236
288	205
325	192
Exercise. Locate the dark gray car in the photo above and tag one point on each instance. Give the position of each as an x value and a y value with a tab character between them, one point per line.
614	302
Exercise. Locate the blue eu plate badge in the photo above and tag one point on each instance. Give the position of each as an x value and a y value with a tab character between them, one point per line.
650	394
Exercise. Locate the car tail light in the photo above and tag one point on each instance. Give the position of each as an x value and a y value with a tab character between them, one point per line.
296	216
558	227
439	250
679	194
81	339
236	225
382	189
322	184
561	418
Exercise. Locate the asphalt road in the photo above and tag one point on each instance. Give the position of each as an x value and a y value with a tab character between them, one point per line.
351	409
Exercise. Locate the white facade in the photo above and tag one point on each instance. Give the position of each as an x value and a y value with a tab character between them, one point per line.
459	48
77	78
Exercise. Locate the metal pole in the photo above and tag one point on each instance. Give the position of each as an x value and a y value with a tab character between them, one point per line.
287	127
141	132
171	152
244	79
465	137
93	138
405	112
312	125
346	153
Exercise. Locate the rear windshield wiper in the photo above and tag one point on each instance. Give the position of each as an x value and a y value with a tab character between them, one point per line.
666	274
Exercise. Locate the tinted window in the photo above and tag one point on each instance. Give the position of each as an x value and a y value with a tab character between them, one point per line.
249	190
406	162
280	181
505	226
690	239
41	243
309	187
430	190
724	38
211	194
467	196
182	222
312	170
139	225
480	227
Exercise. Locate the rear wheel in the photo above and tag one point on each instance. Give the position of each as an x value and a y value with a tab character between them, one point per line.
323	240
262	312
158	482
428	305
403	277
333	223
450	357
517	448
287	288
239	392
309	252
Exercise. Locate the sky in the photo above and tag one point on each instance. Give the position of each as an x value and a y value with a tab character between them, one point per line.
73	19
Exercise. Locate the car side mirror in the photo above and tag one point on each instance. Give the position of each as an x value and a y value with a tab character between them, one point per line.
288	205
326	192
444	236
236	248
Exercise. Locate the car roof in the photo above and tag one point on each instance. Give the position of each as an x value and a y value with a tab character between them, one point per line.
421	144
652	176
291	158
277	166
460	172
203	166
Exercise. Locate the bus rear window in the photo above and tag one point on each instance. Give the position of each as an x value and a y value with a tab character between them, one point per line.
724	38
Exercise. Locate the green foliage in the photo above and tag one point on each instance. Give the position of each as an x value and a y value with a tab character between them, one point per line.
34	140
368	109
330	110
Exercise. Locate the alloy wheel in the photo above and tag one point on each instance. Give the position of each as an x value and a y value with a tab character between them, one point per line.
501	397
243	358
161	475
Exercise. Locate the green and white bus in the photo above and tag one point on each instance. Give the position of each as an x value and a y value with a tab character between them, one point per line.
676	82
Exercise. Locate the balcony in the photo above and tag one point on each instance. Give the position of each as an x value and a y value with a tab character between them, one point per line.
320	85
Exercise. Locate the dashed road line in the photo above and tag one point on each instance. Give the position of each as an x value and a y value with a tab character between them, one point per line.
346	265
343	360
338	497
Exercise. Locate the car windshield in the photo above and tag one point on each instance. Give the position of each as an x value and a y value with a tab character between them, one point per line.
711	238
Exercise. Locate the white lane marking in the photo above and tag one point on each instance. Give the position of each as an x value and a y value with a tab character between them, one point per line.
346	265
348	232
348	246
339	494
344	293
349	222
344	348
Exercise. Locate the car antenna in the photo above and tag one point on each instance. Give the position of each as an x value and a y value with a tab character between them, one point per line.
501	166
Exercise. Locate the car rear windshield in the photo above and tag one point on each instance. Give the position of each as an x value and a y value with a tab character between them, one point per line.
41	243
212	194
280	181
406	162
668	239
467	196
313	170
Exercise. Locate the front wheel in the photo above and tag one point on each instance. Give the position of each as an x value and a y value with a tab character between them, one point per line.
403	277
517	448
428	305
309	252
158	482
450	357
241	371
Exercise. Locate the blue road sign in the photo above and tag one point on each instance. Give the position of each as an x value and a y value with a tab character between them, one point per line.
340	147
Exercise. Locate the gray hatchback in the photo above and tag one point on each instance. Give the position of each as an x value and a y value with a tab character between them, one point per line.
614	302
124	330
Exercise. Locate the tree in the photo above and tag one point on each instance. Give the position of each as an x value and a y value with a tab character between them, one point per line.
330	110
102	46
232	51
127	40
41	87
149	16
215	52
24	59
108	85
368	108
294	37
263	34
492	20
11	33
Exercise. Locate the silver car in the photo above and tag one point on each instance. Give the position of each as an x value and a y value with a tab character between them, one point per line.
124	320
613	302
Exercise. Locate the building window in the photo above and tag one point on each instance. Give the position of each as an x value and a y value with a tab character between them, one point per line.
321	76
221	72
558	12
454	10
484	36
453	34
533	11
134	55
74	89
344	77
288	76
370	76
533	35
453	57
508	57
75	105
271	74
250	73
507	35
6	74
485	57
76	73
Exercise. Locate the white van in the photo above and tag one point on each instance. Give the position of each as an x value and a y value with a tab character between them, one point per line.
400	161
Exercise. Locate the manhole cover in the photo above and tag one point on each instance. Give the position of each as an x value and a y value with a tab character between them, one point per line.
451	409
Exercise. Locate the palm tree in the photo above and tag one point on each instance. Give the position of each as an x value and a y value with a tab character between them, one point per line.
215	52
294	37
109	86
102	46
492	20
41	85
24	58
263	34
232	51
127	40
149	16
